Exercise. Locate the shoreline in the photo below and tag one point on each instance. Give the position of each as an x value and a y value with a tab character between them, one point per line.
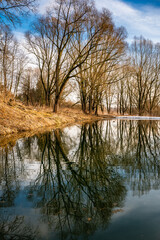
15	117
10	139
60	121
51	120
18	121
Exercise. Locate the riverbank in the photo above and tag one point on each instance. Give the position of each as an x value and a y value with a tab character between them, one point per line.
17	118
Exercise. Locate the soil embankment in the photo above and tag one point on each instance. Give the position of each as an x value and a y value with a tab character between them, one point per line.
16	118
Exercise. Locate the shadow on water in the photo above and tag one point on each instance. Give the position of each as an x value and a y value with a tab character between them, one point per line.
67	184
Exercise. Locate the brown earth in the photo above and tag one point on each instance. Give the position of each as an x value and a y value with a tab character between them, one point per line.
17	119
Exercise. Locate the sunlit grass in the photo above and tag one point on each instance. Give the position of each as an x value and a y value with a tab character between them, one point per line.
16	117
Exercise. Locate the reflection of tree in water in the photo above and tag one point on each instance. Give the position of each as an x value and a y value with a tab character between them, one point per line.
78	181
14	228
8	178
138	152
12	166
78	193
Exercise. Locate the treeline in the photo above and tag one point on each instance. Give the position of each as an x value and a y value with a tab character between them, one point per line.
76	48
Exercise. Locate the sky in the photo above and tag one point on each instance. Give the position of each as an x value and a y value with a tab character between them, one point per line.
139	17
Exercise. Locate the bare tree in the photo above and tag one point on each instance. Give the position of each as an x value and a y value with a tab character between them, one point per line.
100	67
67	25
21	62
12	60
145	61
40	46
8	46
11	10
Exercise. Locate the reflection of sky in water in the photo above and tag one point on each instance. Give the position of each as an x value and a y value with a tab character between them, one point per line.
140	219
128	155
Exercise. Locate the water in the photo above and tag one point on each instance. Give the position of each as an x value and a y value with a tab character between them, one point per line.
96	181
138	118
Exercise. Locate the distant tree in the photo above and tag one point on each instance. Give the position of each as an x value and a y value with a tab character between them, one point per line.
26	85
145	59
12	60
40	46
8	47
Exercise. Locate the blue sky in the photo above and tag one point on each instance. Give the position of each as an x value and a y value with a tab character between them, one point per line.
155	3
139	17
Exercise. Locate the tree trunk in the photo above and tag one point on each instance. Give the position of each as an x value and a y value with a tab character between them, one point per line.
48	99
56	103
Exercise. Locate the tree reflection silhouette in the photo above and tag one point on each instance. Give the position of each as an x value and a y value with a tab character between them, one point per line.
9	185
77	193
81	177
137	152
15	228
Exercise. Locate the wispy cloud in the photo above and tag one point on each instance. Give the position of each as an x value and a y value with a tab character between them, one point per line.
44	4
138	21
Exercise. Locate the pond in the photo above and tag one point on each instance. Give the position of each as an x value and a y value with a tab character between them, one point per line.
95	181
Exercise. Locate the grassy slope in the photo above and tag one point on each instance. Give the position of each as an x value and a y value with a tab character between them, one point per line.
16	117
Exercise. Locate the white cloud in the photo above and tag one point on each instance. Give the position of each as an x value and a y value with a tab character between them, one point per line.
44	4
143	21
19	36
22	46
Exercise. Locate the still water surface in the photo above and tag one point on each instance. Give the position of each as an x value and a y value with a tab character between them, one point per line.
96	181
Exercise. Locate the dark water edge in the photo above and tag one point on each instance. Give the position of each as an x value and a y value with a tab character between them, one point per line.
99	180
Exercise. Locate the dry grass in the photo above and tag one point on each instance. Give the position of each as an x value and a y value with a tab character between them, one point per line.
17	118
